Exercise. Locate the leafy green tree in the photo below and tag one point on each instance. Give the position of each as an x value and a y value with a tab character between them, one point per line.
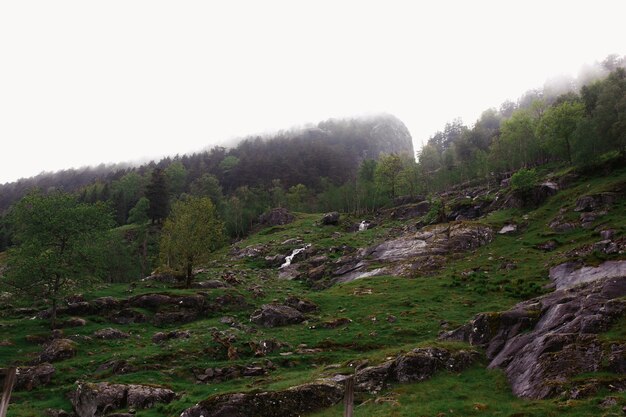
139	213
557	127
190	234
58	246
297	197
176	175
388	172
519	144
208	186
524	180
157	194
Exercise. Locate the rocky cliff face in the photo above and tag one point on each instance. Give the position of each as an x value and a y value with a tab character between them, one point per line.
543	343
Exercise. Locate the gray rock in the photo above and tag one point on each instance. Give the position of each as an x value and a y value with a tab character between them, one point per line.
543	342
277	216
58	350
331	218
274	315
174	334
292	402
91	400
595	201
508	229
300	304
110	333
569	274
29	377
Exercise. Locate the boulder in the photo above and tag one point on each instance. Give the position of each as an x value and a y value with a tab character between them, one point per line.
415	366
110	333
174	334
331	218
58	350
91	400
29	377
508	229
277	216
127	316
74	322
212	283
274	315
595	201
292	402
300	304
543	343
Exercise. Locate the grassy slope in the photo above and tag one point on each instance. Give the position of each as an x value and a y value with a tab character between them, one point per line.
420	304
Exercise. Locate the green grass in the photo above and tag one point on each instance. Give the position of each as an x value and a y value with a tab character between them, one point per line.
389	315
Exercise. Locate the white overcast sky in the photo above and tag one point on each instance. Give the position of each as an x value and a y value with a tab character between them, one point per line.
84	82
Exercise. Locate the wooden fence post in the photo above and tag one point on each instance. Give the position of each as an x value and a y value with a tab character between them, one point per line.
9	381
348	400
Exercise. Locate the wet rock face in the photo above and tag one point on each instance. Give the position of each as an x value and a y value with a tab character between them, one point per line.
274	315
570	274
421	251
94	400
292	402
543	342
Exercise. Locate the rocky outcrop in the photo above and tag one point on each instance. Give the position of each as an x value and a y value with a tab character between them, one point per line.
58	350
94	400
276	217
292	402
424	250
29	377
415	366
331	218
570	274
274	315
543	342
300	304
110	333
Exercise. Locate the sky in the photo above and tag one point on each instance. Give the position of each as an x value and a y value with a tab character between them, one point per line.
86	82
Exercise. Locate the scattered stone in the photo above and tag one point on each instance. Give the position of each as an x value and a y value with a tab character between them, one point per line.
265	347
560	226
508	229
302	305
274	315
331	218
117	367
99	399
275	260
110	333
414	366
174	317
174	334
334	323
391	319
6	342
164	278
50	412
606	246
596	201
608	402
289	272
607	234
127	316
234	371
212	283
276	217
74	322
292	402
29	377
548	246
58	350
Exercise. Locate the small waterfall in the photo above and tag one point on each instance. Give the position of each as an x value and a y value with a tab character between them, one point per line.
363	225
289	258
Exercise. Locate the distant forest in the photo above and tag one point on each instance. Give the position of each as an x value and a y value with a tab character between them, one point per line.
360	165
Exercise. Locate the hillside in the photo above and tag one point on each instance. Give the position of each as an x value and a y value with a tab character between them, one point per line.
331	149
475	302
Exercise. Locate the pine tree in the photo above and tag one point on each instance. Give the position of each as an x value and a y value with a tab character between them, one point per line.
157	194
